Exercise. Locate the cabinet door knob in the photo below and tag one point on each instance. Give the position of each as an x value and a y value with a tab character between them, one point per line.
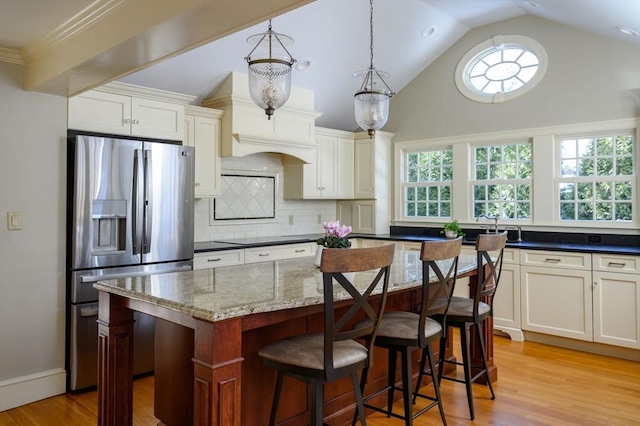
197	183
135	121
126	121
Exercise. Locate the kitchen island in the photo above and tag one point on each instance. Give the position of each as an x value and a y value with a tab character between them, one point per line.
214	323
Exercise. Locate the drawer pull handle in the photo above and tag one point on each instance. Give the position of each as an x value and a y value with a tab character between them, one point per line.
217	259
552	260
300	251
414	249
263	254
617	264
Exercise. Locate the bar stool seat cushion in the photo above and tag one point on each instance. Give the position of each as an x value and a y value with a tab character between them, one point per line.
463	307
307	351
404	325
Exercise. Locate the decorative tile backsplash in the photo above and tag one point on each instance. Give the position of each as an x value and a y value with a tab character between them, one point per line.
291	216
246	196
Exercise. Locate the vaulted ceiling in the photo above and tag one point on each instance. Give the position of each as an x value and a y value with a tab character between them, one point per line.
191	46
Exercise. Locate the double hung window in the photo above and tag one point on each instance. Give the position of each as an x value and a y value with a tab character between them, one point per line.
597	178
427	184
502	183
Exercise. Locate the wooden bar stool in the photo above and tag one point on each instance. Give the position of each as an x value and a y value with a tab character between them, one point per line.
465	313
403	332
324	357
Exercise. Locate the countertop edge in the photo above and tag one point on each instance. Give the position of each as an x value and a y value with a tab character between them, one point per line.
567	247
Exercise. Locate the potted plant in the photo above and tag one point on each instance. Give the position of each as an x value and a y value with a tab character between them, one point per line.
452	229
335	236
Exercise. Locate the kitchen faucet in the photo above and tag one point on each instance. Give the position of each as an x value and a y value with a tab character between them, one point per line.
495	221
516	228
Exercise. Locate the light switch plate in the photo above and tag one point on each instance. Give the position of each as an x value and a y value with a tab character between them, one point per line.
14	221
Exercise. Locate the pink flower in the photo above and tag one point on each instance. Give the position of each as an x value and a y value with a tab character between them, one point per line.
335	235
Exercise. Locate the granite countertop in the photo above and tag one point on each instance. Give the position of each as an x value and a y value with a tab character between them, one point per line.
233	291
627	249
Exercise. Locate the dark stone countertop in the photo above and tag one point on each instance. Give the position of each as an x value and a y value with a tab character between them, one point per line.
608	243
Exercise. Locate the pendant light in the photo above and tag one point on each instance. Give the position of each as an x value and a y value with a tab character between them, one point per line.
270	74
372	100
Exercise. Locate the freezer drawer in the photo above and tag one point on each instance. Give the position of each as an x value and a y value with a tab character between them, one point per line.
84	345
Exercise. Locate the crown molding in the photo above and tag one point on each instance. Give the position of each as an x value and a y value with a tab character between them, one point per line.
78	23
11	56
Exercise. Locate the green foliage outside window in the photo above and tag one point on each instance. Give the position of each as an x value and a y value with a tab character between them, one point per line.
597	178
427	190
508	168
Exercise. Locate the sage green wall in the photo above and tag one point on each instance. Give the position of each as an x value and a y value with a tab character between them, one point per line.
589	78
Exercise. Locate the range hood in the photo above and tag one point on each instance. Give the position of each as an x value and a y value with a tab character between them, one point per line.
246	129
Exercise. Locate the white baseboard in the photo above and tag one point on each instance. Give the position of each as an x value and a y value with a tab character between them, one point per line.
26	389
514	333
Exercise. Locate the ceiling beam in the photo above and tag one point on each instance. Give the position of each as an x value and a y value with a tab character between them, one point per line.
111	39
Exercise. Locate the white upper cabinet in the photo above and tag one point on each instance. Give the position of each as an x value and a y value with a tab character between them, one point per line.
124	109
202	131
330	175
372	165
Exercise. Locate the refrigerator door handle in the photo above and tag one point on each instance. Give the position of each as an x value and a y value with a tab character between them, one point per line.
134	203
148	203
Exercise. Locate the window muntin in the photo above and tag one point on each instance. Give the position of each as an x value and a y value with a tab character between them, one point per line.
597	178
502	181
501	68
427	184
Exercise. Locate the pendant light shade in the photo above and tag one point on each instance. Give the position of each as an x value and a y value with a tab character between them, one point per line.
372	100
270	73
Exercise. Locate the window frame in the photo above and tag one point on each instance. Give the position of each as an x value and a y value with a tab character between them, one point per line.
428	184
544	211
468	61
474	181
595	179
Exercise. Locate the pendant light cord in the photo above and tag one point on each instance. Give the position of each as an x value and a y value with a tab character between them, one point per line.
371	33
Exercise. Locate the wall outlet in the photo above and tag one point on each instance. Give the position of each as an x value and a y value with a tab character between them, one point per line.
14	221
319	218
290	219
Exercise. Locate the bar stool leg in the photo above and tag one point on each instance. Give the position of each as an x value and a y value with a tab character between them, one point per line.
317	397
484	360
391	383
406	386
436	383
466	360
276	398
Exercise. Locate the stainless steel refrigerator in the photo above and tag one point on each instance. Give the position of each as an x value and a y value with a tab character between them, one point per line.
130	213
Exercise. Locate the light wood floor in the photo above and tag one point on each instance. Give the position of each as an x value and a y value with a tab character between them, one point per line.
537	385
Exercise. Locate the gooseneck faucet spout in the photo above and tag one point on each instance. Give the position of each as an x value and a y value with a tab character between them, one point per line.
495	221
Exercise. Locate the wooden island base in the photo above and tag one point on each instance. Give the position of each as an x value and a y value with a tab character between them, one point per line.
174	389
208	373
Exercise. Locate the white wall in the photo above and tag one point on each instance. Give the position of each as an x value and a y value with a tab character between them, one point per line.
32	279
589	78
304	213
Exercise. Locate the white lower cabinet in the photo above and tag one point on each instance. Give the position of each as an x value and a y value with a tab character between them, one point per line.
364	216
557	293
506	302
287	251
365	243
616	300
216	259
